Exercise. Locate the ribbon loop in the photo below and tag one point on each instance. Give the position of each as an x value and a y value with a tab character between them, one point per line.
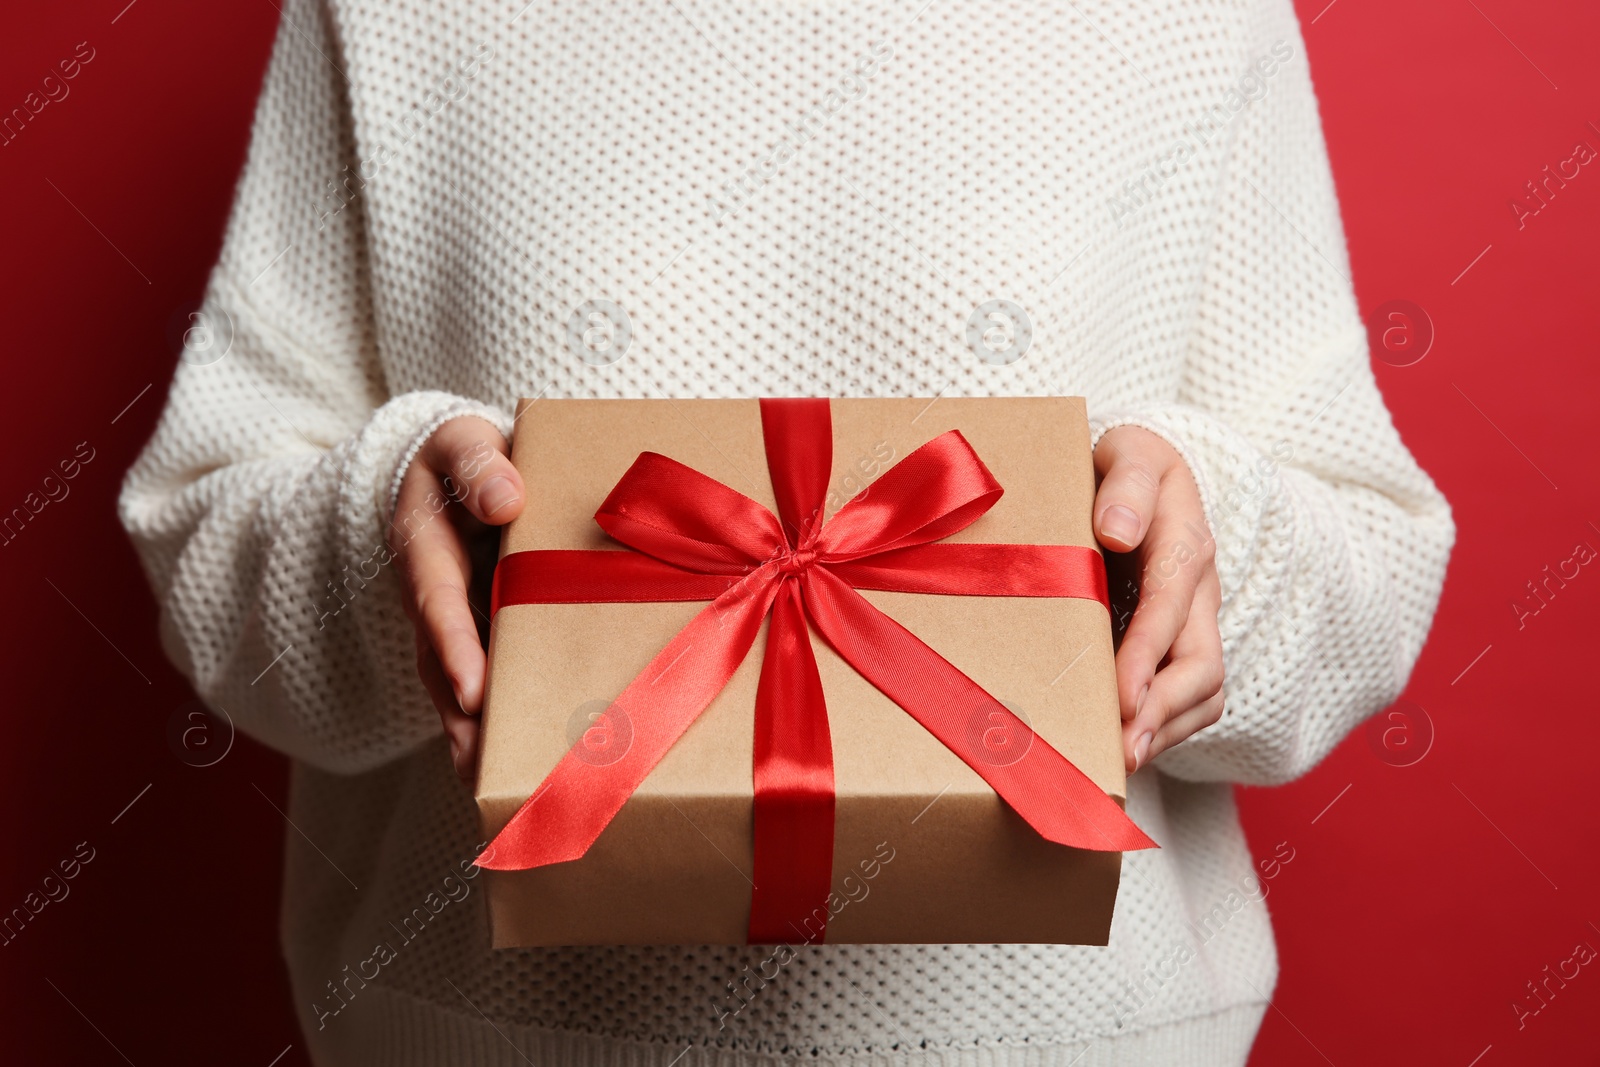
938	489
673	512
798	435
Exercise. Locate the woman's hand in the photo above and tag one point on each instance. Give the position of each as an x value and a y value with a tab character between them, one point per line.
460	485
1169	666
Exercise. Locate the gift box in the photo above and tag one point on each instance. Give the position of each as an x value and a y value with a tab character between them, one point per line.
802	671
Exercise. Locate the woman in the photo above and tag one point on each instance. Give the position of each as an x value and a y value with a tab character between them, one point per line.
446	208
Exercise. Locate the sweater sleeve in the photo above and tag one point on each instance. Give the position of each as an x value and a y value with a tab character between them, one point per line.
260	505
1331	543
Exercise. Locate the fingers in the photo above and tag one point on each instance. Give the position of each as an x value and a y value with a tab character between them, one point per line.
435	565
1131	466
464	462
459	727
1186	725
1169	665
1186	695
471	460
437	572
1175	562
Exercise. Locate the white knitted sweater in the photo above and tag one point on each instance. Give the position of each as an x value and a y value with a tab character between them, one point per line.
783	197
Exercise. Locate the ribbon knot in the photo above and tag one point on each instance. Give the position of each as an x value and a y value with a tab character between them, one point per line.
697	539
795	562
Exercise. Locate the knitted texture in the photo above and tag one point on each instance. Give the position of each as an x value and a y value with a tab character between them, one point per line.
782	197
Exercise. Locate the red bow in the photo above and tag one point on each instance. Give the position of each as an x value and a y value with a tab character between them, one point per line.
697	539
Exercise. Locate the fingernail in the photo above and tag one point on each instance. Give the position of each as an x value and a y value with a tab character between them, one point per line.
1141	749
497	493
1120	524
1138	704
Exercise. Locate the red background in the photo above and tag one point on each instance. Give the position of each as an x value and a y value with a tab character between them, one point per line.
1419	903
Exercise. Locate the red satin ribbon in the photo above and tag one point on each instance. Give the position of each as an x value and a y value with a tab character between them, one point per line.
697	539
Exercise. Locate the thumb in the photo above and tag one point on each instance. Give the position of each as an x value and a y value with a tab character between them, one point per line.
469	455
1126	500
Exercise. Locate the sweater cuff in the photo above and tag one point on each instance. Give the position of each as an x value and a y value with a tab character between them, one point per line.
397	431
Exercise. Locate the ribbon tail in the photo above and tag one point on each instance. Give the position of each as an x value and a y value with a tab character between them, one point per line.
1054	797
579	798
794	795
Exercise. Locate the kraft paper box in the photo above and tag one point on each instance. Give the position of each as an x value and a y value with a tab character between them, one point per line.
924	849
